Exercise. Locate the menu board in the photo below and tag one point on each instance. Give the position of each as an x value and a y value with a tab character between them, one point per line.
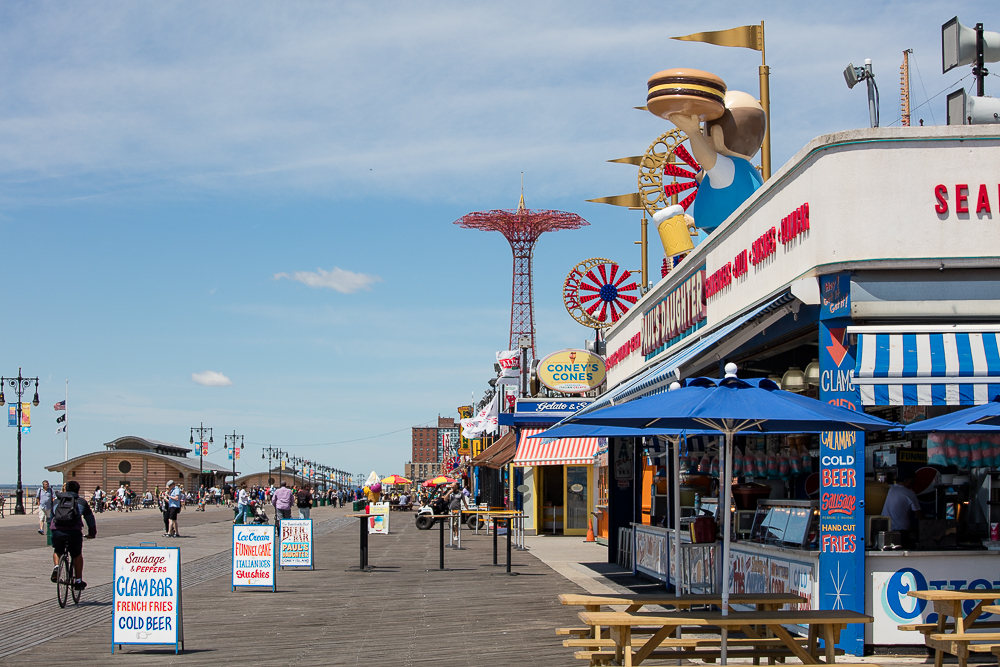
146	598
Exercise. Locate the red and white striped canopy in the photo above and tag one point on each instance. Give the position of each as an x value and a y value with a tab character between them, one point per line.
561	451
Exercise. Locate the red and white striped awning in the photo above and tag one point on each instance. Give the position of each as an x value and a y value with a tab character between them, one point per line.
553	452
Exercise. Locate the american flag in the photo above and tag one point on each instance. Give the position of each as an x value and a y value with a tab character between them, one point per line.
61	405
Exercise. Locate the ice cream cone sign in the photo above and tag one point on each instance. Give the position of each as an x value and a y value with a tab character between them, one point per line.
676	229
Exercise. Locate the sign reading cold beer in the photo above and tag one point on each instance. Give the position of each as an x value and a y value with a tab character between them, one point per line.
680	314
253	556
572	371
146	598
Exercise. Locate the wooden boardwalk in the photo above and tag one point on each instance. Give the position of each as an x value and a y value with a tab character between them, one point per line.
406	612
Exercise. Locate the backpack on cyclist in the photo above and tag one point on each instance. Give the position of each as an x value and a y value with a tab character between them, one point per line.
66	513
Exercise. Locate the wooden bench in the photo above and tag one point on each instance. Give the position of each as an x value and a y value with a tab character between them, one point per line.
825	624
962	639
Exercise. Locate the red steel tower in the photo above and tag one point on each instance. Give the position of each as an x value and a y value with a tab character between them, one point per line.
521	228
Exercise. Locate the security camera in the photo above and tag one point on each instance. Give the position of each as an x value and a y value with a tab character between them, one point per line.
851	75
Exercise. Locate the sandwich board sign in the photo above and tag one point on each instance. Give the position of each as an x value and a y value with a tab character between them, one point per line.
379	523
295	543
146	599
253	556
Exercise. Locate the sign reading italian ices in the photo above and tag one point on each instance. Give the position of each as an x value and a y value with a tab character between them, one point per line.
572	371
146	600
253	556
295	543
841	463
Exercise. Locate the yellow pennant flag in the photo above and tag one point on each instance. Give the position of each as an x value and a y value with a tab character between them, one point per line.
747	37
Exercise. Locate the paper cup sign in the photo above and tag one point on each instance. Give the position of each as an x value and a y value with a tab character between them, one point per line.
572	371
253	556
295	546
146	599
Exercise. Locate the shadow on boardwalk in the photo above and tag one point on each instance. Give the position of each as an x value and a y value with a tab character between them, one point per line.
406	612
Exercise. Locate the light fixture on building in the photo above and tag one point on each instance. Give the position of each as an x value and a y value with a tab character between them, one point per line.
812	373
776	379
793	380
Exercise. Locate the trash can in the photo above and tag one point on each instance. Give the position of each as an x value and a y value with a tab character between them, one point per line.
358	504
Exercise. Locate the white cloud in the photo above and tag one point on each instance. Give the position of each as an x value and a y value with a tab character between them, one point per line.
211	379
345	282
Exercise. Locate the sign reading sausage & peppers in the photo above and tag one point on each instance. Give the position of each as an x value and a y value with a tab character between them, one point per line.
146	599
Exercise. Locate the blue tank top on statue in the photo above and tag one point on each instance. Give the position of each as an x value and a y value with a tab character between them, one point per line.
712	206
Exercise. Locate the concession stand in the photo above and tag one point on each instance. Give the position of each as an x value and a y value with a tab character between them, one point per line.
864	273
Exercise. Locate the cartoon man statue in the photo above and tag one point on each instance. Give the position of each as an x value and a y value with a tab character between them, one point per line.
724	151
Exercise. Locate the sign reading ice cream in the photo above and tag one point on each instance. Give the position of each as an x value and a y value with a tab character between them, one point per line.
253	556
572	371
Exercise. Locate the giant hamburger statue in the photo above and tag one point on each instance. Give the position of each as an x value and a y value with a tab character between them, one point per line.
733	133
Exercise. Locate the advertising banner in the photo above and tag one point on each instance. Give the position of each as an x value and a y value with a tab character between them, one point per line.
378	525
253	556
12	414
26	415
841	466
464	412
510	363
622	461
146	598
295	543
572	371
894	576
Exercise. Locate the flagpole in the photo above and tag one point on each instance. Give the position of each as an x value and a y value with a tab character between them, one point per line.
765	103
66	425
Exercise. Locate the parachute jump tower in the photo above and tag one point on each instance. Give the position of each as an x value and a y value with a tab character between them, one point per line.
521	228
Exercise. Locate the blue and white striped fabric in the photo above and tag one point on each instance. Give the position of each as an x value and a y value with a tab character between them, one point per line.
959	368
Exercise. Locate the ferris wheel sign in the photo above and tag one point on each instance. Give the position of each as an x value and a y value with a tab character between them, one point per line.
572	371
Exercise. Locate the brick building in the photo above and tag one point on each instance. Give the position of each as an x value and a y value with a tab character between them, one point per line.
430	446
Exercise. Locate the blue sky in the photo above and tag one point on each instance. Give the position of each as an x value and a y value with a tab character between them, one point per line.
162	164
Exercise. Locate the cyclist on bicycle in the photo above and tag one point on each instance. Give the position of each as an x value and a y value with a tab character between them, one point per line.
68	514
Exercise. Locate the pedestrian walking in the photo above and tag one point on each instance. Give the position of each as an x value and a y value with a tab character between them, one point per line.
175	499
46	498
304	501
242	504
454	500
282	499
98	499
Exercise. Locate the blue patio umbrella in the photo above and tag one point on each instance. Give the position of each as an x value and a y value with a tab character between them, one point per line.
730	406
978	418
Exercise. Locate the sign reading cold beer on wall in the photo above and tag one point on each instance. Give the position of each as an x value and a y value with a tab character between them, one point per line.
572	371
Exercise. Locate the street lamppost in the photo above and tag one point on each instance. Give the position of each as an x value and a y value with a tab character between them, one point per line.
228	440
201	450
19	385
275	453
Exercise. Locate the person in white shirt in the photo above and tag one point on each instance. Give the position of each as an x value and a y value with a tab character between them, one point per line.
242	505
901	504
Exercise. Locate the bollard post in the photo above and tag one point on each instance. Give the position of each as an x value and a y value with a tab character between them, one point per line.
364	543
494	541
441	544
510	539
458	545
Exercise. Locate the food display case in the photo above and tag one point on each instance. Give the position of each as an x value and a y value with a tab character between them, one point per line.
792	524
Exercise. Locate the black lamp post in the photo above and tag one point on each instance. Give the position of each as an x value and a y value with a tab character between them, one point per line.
19	385
275	453
201	448
232	440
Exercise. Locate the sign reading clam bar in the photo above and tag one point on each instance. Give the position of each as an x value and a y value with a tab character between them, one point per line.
680	314
572	371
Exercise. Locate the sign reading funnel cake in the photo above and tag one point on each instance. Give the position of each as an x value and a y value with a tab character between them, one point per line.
691	92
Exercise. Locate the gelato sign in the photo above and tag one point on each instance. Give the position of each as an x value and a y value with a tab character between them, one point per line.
572	371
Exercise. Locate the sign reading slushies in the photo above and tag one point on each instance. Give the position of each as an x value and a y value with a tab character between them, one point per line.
146	599
295	544
253	556
572	371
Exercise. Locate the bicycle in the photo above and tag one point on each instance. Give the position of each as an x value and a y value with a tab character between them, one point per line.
64	579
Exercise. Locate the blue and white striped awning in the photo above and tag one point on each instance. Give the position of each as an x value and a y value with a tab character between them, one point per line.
927	365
